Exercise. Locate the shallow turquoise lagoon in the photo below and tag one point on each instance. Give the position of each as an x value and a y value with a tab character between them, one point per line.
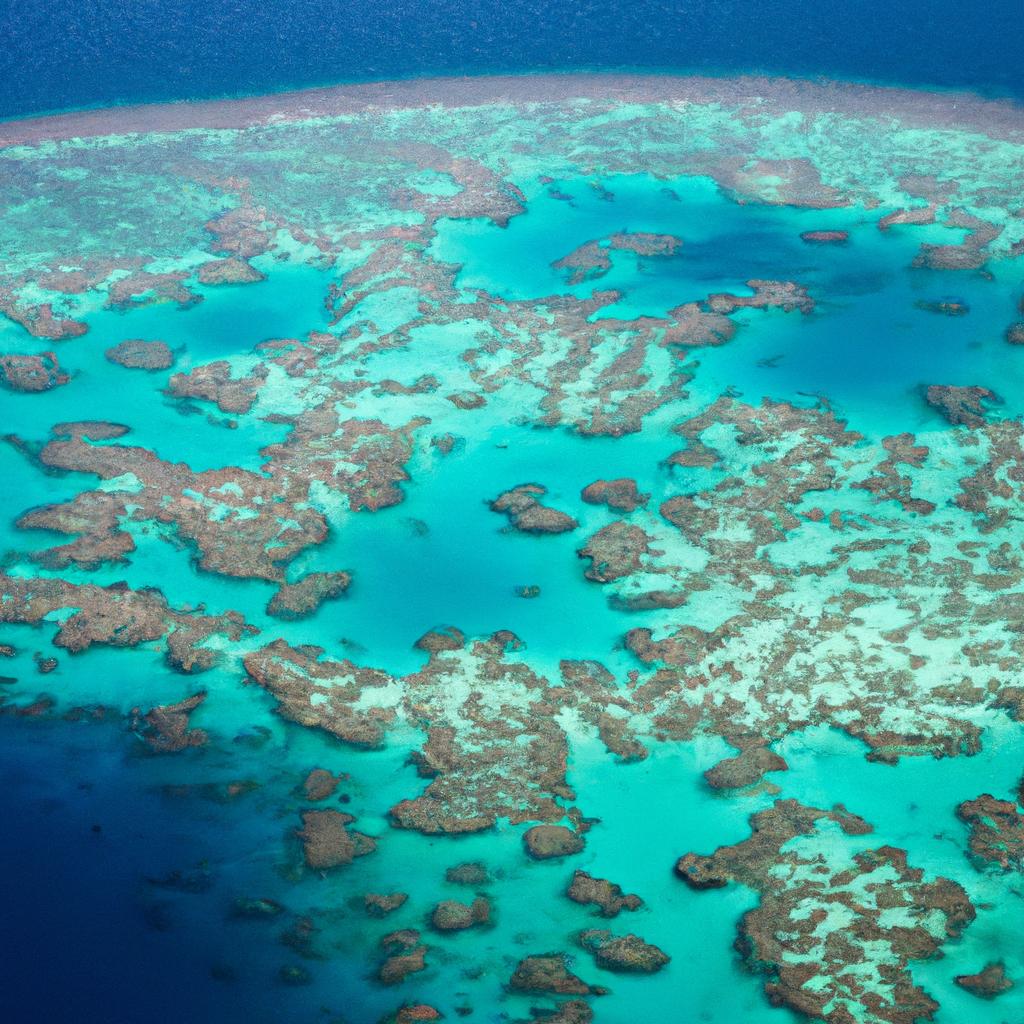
792	550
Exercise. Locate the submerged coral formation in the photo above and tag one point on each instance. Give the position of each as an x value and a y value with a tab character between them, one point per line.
660	355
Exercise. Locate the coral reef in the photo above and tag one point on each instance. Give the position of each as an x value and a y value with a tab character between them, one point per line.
295	600
546	841
813	926
381	904
988	983
139	354
328	842
166	728
747	768
996	831
405	956
319	784
782	533
606	896
453	916
550	972
627	953
527	514
32	373
621	495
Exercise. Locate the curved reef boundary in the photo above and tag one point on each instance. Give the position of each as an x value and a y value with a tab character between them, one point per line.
931	108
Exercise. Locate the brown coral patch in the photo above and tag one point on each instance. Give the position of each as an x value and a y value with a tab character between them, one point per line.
214	382
328	842
606	896
626	953
405	956
621	494
815	922
549	972
166	730
526	512
297	600
988	983
138	354
321	693
997	831
747	768
453	916
825	237
543	842
319	784
32	373
961	405
230	270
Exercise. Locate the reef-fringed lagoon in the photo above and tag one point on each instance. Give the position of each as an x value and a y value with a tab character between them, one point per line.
545	548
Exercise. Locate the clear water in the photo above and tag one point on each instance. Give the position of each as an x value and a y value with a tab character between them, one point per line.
88	936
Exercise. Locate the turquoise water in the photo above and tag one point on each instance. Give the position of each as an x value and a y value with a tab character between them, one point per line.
865	291
808	608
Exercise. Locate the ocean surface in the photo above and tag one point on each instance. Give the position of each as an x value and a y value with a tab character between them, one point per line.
786	319
97	52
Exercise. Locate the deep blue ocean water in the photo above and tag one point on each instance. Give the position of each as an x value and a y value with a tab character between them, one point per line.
74	53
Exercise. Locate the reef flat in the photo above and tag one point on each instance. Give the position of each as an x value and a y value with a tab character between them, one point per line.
518	548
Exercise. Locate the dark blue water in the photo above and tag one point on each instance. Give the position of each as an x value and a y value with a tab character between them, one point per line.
84	939
73	53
